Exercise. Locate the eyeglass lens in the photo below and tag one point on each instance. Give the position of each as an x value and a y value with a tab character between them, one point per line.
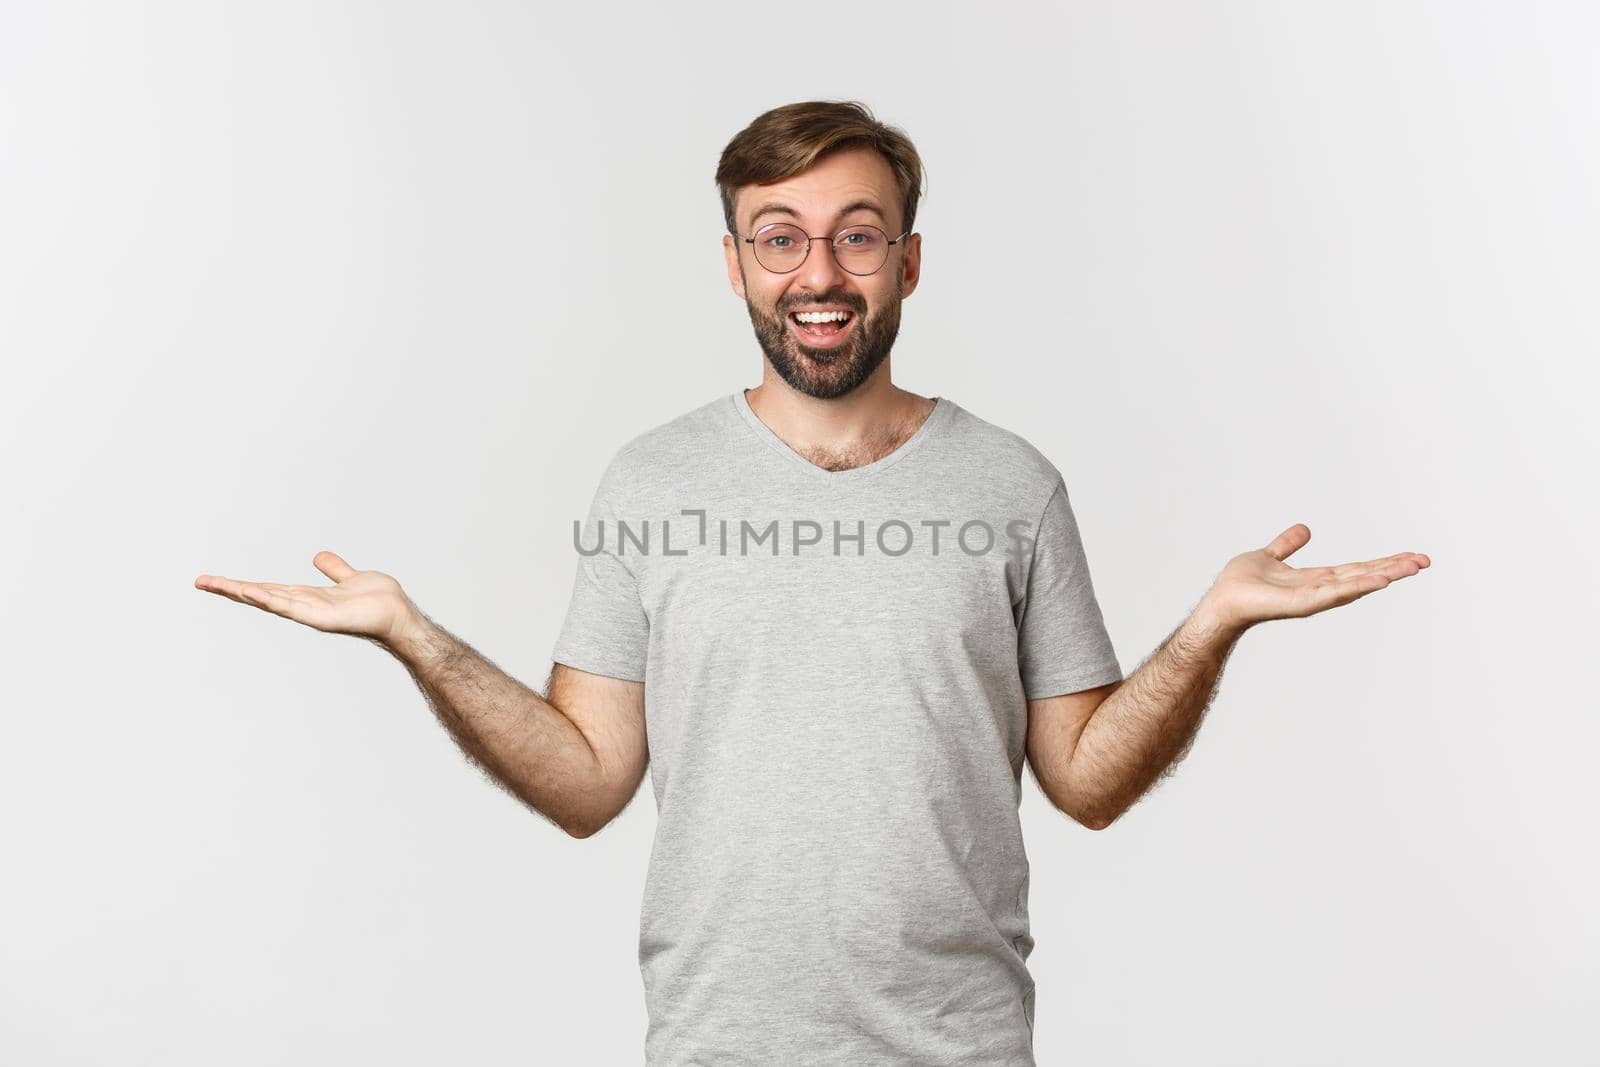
859	249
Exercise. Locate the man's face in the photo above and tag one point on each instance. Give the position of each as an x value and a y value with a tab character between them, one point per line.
825	364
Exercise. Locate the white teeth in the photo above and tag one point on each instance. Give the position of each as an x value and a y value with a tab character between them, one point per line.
822	316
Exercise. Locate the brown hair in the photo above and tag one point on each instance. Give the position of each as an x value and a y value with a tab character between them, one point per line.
782	142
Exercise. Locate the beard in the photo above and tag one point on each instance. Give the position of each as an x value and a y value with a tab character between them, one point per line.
827	373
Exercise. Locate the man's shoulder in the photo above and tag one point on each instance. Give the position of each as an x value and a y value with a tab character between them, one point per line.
657	450
689	427
997	451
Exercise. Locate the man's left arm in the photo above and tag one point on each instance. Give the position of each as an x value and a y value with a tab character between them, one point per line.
1097	752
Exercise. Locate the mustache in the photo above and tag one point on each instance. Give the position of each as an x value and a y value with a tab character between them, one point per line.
855	304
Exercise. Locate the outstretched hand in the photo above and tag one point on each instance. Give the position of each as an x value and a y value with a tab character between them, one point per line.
367	604
1258	586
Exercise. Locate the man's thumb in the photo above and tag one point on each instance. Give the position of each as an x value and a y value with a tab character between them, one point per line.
331	565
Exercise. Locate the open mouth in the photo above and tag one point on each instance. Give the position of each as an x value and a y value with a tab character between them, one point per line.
821	329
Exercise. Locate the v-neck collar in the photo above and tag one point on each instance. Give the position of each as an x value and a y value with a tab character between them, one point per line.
930	425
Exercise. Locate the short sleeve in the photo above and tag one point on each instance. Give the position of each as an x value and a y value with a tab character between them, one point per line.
606	630
1062	644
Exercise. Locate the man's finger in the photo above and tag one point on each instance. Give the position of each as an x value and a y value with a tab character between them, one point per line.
1289	542
332	565
215	583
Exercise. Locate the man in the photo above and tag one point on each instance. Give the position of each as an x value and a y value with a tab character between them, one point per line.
835	618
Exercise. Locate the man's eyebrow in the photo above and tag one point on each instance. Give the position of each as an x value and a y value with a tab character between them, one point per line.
785	209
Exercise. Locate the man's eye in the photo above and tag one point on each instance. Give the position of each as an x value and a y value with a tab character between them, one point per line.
773	241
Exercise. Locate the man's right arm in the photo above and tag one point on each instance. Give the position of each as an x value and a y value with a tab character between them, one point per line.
576	755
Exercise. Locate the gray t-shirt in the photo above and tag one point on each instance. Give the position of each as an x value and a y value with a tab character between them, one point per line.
836	669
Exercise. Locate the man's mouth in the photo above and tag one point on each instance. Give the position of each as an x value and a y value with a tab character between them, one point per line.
821	329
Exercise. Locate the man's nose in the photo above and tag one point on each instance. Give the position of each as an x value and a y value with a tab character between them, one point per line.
821	271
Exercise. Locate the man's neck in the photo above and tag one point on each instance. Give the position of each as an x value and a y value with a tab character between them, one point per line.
843	433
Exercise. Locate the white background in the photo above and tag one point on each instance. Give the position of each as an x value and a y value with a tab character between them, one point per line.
394	280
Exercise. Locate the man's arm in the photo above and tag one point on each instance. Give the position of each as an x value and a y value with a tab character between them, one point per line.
1095	755
1096	752
576	758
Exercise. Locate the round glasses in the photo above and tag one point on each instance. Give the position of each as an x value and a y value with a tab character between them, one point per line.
781	248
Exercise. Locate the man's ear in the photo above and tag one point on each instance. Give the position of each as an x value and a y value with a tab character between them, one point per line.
730	252
911	265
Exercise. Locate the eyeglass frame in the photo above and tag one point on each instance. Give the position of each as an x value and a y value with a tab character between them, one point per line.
751	241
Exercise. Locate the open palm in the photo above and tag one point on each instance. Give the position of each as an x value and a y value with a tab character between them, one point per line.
1257	586
367	604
